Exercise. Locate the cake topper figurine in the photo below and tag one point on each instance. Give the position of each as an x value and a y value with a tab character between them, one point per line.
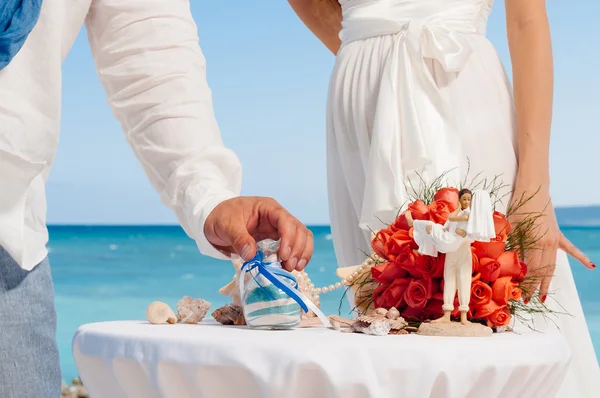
471	221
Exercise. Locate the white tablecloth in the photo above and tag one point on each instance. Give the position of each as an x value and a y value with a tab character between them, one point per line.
136	359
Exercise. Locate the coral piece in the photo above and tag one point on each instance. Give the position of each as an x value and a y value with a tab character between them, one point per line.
230	314
159	313
191	310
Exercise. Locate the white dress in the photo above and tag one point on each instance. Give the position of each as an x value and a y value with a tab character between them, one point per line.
418	90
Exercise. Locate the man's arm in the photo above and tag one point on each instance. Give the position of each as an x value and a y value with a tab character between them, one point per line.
323	18
153	70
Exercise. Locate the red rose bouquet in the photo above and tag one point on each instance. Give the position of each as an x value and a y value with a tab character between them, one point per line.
399	276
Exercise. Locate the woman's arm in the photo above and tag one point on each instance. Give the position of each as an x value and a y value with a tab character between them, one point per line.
454	217
323	18
531	55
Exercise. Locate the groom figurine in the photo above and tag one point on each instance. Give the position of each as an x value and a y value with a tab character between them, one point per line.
148	58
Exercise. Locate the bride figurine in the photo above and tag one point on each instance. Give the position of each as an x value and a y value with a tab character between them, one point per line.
471	221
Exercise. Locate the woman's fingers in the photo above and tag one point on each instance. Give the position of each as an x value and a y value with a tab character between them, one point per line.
573	251
534	275
548	265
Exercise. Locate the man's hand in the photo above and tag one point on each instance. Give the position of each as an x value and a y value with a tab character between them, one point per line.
236	224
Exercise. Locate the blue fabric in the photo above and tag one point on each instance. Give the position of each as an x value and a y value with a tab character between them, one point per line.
29	362
17	19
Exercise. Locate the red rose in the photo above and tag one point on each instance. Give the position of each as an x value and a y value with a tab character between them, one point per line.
432	267
448	195
440	210
483	311
419	210
500	317
489	269
475	263
396	243
481	293
407	259
416	294
433	289
439	292
523	273
433	309
411	314
509	264
387	272
379	241
400	223
504	290
391	295
488	249
501	226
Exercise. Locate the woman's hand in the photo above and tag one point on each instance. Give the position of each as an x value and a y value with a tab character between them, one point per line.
541	259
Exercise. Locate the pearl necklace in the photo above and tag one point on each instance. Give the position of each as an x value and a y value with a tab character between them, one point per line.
314	293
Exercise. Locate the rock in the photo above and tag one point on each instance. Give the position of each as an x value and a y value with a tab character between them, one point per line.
230	314
455	329
76	381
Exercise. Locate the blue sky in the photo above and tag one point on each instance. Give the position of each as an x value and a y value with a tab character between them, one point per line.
269	79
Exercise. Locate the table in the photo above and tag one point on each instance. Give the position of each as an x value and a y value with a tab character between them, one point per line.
135	359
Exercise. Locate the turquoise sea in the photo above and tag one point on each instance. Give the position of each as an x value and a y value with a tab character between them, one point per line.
106	273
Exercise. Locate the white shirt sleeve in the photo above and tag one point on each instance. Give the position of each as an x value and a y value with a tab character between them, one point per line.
148	59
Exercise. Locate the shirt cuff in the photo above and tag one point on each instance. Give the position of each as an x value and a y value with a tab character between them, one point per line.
203	244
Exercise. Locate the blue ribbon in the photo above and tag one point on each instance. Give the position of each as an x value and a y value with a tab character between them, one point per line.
276	275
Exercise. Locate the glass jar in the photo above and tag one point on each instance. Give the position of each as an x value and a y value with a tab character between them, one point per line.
265	305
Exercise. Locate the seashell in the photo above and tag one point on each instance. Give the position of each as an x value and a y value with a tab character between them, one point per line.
310	322
399	324
381	311
230	315
398	331
393	313
159	313
339	323
376	326
191	310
